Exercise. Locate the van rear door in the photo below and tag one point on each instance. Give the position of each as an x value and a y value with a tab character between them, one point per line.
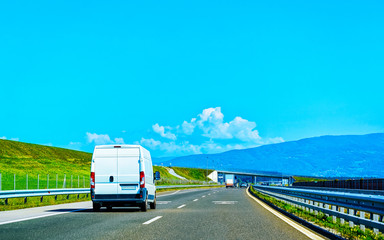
128	170
105	170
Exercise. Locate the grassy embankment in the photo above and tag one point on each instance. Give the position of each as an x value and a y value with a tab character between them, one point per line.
309	179
323	220
21	159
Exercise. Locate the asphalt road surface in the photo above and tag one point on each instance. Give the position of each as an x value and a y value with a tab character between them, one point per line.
216	213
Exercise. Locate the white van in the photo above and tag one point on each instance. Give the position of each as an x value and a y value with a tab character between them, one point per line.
122	175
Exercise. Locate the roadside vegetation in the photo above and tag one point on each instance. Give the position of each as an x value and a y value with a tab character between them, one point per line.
323	221
308	179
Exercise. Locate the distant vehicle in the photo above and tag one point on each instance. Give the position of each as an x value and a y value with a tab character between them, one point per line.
122	175
229	180
243	185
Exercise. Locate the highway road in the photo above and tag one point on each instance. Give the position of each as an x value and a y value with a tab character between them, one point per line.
186	214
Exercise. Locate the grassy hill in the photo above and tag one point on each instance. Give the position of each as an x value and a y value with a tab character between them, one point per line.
20	159
44	164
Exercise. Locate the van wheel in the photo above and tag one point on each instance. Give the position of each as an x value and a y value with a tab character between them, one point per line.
144	205
152	205
96	207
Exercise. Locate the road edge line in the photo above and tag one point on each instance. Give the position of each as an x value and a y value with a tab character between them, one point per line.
292	223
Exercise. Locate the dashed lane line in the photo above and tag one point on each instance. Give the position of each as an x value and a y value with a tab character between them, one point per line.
195	200
182	206
152	220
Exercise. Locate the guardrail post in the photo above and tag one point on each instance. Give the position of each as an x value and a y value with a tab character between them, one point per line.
362	215
334	208
25	200
326	206
6	201
352	213
41	199
55	197
311	209
341	209
375	217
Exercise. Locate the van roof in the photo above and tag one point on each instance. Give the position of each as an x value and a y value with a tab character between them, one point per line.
118	145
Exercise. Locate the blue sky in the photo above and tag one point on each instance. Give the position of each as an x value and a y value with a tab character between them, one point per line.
184	77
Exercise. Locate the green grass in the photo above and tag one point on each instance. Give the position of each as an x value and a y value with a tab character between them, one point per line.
308	179
196	174
323	220
21	159
18	203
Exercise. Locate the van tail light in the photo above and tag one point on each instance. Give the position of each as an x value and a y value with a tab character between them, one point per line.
142	180
92	179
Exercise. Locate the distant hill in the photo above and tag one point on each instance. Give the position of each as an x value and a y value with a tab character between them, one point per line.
326	156
21	157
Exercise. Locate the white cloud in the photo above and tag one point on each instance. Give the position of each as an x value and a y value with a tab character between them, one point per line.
162	131
211	122
187	127
102	139
119	140
12	139
171	148
222	136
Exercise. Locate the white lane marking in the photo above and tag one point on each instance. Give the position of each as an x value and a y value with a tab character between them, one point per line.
42	216
182	206
224	202
287	220
209	194
163	202
203	196
152	220
168	194
195	200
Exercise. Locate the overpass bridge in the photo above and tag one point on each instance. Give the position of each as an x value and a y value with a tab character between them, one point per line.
258	177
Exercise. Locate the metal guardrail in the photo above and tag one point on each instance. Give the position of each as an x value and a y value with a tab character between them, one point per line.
345	190
344	206
64	191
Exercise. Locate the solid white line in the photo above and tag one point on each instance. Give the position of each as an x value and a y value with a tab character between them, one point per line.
42	216
152	220
305	231
195	200
182	206
169	194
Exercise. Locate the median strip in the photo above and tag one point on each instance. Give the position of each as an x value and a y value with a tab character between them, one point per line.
152	220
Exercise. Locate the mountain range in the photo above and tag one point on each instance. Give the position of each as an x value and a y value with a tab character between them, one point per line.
325	156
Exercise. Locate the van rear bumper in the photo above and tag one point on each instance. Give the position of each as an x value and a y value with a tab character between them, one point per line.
120	198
